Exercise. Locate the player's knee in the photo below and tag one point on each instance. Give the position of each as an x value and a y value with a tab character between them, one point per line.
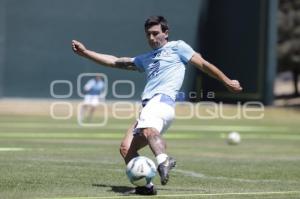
150	132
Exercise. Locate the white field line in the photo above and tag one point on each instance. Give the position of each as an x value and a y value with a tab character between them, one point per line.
200	175
102	135
11	149
120	135
241	128
189	195
214	128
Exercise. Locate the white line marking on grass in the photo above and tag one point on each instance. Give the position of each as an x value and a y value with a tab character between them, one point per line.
120	135
214	128
61	135
267	136
190	173
268	130
188	195
201	175
218	128
12	149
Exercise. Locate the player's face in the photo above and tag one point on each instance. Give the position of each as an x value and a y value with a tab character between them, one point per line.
156	37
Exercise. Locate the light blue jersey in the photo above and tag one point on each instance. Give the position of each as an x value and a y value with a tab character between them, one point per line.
165	68
94	87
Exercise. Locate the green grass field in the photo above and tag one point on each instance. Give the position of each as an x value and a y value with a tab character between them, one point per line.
45	158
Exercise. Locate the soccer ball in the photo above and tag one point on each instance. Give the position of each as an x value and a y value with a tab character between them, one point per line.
140	170
233	138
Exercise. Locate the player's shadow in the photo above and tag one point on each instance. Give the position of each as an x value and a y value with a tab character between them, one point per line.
125	190
117	189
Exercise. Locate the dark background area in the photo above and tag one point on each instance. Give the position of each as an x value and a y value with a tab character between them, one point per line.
35	36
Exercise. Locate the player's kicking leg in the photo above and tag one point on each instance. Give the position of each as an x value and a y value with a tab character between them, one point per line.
128	149
158	147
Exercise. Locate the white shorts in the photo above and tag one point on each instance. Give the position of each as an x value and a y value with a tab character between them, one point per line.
158	113
92	100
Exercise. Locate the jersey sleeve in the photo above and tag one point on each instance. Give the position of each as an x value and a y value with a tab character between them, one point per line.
138	63
185	51
89	85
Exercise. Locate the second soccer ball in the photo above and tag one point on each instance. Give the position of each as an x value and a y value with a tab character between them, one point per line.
233	138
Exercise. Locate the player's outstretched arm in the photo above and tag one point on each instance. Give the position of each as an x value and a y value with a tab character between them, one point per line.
213	71
103	59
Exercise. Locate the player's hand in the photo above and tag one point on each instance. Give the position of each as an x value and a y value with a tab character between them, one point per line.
78	47
234	86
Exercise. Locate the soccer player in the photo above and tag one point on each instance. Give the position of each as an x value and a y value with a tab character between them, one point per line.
165	68
92	89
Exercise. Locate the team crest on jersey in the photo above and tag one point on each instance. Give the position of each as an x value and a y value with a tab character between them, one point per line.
166	53
163	53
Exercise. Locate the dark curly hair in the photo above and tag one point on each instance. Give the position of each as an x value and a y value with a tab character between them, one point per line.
155	20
